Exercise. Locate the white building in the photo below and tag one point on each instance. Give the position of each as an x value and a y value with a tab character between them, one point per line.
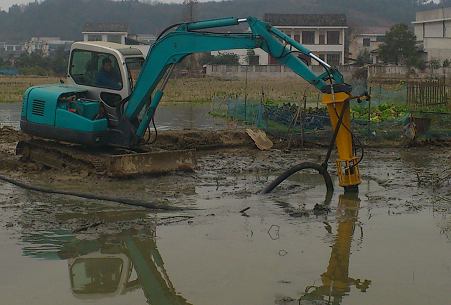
147	39
323	34
367	39
433	31
111	32
7	49
46	45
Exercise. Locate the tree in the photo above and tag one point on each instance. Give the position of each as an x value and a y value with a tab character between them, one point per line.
399	46
363	58
434	64
221	59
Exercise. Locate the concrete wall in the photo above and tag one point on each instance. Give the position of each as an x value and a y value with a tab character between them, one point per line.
434	14
375	72
403	72
433	29
268	71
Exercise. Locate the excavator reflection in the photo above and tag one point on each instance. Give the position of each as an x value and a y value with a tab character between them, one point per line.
336	282
118	265
118	259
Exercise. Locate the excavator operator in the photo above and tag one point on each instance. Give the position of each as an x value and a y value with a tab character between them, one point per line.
107	76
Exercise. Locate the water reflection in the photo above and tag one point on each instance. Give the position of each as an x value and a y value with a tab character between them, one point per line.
117	262
118	265
336	282
115	265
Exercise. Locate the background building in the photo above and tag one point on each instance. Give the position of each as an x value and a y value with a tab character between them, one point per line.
8	50
433	31
47	45
111	32
323	34
367	39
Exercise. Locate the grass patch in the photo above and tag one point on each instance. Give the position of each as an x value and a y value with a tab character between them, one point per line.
204	89
12	88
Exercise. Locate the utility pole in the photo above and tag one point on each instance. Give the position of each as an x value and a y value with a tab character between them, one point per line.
190	4
189	16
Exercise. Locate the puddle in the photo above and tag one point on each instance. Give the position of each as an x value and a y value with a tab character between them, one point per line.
390	244
169	116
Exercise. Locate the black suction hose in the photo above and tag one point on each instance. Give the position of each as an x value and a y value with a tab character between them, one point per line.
305	165
126	201
321	168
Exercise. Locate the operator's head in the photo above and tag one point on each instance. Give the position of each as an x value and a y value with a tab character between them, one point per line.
106	64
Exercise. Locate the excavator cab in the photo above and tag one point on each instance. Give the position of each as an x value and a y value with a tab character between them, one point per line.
108	71
87	69
100	77
99	274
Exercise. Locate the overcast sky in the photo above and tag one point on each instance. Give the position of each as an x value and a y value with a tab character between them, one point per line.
5	4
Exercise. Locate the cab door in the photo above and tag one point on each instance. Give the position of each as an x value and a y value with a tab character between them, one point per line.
105	76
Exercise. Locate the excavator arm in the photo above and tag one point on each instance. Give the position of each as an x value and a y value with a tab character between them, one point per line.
189	38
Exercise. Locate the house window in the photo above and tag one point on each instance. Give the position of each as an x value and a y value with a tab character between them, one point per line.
253	60
297	37
322	56
272	61
287	32
366	42
333	37
308	37
115	38
322	38
333	59
306	59
94	37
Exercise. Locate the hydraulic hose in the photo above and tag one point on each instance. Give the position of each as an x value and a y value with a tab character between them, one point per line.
127	201
305	165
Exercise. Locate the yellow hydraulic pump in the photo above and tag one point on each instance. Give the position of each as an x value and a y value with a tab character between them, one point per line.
340	115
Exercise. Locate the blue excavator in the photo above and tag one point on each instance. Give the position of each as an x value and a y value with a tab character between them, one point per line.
112	91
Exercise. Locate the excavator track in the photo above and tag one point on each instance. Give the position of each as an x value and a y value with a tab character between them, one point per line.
112	162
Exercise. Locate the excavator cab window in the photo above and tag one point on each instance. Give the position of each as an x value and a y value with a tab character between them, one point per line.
134	65
95	69
96	275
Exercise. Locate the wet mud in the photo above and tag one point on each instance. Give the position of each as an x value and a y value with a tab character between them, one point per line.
389	244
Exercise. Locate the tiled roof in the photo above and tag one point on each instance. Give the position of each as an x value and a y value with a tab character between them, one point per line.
306	19
105	27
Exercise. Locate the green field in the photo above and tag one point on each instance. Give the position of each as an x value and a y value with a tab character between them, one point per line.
12	88
188	89
203	89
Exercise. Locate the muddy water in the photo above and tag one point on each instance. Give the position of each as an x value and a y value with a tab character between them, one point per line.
390	244
169	116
